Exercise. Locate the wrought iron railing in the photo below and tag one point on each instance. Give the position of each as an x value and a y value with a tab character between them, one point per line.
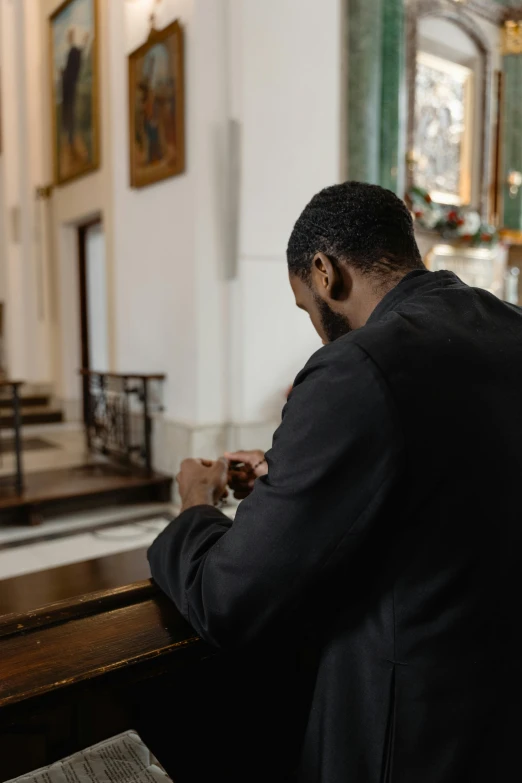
10	392
119	414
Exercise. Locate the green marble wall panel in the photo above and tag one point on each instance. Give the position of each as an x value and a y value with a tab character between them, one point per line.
393	71
512	142
364	89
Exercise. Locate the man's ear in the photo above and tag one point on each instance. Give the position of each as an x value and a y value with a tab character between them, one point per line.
327	276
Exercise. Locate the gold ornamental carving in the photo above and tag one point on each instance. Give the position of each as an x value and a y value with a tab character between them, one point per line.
512	38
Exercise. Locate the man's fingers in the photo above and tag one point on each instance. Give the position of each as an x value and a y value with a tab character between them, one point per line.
238	456
221	463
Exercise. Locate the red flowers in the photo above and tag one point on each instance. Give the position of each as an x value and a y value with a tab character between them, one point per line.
455	218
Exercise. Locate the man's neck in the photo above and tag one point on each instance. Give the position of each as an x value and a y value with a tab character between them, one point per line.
369	293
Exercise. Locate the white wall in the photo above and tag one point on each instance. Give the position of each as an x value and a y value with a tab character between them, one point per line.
3	290
290	110
72	204
2	231
19	285
168	272
230	347
153	234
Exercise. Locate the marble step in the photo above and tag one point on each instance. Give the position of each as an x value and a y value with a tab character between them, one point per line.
41	414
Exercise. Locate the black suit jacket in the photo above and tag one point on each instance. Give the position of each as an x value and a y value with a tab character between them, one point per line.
392	508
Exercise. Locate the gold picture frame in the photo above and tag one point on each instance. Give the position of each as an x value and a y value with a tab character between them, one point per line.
74	76
157	107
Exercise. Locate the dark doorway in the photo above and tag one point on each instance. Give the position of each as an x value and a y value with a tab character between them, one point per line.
93	302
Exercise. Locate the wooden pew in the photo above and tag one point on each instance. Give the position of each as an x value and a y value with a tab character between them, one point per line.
82	670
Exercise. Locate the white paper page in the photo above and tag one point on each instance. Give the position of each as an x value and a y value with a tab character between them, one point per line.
121	759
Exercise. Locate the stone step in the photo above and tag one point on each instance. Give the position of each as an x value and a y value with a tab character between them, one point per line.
27	401
33	415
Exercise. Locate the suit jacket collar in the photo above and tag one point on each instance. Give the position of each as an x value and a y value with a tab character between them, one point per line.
418	280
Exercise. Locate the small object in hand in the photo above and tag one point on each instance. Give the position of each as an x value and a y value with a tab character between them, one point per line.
237	470
240	479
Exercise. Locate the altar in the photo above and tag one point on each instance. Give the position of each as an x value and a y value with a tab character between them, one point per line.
463	172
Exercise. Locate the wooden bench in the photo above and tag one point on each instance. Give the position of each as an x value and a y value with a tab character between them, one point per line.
72	673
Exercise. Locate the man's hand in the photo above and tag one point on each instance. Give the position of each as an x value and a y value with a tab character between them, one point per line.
201	482
242	476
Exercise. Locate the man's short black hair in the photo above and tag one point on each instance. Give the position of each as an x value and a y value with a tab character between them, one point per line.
364	225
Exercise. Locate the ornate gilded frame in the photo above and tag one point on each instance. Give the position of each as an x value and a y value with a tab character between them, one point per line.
174	30
453	12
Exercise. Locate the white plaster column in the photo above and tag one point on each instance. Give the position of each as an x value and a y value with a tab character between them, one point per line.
288	97
26	272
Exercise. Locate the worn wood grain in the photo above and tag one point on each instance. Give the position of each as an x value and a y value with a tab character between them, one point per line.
87	639
76	607
28	592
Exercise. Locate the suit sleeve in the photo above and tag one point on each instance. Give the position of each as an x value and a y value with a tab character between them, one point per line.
334	460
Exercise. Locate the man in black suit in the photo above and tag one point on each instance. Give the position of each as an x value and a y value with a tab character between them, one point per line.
389	512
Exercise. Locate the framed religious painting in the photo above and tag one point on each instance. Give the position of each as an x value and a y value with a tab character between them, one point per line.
73	32
443	129
449	78
157	108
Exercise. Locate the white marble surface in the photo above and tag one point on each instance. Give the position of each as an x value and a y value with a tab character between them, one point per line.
40	556
75	547
73	522
31	556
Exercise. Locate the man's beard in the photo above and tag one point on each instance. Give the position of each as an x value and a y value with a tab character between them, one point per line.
334	325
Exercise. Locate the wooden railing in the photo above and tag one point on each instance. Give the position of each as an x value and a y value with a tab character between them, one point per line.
119	415
13	387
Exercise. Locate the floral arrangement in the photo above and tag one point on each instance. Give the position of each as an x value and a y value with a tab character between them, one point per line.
452	223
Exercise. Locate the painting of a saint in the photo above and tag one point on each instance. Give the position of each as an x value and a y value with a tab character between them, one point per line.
157	148
73	29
